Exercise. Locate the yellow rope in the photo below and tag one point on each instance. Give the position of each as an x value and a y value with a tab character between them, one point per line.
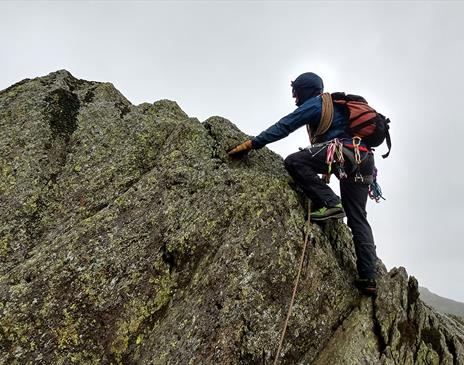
305	244
326	118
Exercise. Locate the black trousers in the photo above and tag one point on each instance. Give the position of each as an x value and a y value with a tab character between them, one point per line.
304	167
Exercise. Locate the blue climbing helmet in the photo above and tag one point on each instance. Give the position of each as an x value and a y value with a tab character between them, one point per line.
306	86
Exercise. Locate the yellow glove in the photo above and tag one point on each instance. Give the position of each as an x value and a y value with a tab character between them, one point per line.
241	149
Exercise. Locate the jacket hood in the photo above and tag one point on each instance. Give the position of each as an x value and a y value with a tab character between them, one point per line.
306	86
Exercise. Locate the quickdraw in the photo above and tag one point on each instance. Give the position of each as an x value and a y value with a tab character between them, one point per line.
335	154
357	154
357	158
375	192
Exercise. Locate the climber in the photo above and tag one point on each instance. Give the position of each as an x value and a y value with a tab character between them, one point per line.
355	174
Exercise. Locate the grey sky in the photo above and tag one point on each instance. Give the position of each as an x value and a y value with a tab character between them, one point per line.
236	59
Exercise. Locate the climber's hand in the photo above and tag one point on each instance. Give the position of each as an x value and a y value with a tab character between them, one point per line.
241	149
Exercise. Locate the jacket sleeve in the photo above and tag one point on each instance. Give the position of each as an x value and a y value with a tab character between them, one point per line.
308	113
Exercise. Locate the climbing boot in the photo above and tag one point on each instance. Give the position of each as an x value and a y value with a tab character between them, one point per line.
366	286
328	213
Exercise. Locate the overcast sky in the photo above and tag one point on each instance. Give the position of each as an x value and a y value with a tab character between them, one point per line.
236	60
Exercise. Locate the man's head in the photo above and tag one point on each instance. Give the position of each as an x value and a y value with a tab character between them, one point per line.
306	86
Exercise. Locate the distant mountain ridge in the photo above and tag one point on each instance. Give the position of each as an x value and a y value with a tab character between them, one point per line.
441	304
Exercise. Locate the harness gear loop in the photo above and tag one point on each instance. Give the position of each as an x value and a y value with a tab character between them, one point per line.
305	244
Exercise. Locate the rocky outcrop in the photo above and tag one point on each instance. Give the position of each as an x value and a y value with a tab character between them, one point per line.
128	236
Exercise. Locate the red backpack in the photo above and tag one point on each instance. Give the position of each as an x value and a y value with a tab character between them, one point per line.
365	122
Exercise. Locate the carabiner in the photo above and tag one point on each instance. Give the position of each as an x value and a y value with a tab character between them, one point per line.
356	141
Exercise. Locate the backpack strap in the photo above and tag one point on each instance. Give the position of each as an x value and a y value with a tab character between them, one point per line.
387	139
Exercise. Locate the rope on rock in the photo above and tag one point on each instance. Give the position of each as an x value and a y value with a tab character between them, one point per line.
305	244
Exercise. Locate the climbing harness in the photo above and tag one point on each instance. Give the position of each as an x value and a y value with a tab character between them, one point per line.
292	300
336	153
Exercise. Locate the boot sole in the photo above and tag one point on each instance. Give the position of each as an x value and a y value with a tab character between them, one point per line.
334	216
368	291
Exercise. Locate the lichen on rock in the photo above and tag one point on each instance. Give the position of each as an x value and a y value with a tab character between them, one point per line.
128	236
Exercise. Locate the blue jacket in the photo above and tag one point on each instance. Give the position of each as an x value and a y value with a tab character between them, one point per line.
308	113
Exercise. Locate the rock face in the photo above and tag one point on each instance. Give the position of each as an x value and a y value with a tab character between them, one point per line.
128	236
